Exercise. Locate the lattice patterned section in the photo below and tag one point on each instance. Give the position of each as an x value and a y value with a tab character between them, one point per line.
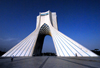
44	29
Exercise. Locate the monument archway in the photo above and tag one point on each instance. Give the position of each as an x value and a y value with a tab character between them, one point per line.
40	44
48	45
47	25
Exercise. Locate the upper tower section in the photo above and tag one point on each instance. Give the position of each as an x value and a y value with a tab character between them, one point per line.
48	17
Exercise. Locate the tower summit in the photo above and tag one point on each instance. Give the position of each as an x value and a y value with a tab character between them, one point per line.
47	25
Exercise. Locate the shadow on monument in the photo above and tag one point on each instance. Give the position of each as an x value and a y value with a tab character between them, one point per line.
38	51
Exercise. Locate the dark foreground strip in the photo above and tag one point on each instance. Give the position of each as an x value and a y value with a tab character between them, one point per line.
44	62
4	57
77	63
86	60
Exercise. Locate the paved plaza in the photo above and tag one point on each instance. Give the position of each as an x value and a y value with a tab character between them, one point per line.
50	62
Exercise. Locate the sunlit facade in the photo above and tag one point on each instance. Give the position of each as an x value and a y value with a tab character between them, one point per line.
47	25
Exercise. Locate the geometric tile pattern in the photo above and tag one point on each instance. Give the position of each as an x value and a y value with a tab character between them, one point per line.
44	29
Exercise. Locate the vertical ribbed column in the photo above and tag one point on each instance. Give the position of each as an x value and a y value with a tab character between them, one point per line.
65	46
25	47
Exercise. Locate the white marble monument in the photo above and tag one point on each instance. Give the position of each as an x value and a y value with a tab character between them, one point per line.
47	25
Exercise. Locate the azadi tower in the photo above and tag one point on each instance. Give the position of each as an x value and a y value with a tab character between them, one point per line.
47	25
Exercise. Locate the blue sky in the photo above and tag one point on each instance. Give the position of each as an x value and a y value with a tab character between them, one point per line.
78	19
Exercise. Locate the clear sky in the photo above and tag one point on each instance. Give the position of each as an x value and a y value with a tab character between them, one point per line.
78	19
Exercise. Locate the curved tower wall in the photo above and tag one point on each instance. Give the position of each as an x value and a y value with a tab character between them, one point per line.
47	25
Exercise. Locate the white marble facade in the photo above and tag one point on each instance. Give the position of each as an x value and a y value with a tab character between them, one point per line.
47	25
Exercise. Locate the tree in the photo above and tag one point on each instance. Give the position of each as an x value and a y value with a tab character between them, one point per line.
96	49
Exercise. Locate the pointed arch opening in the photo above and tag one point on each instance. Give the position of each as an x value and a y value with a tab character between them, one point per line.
48	47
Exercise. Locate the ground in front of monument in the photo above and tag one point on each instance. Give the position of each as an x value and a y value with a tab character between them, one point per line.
50	62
